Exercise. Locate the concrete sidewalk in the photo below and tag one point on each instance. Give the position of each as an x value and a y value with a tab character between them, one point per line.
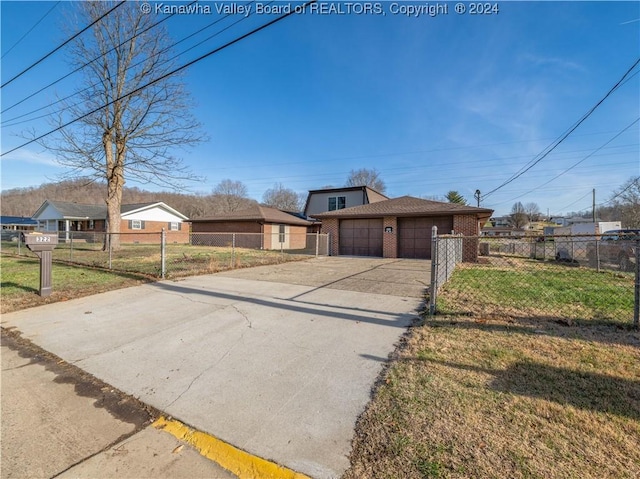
279	370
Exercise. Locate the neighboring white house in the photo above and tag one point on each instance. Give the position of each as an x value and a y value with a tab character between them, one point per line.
135	218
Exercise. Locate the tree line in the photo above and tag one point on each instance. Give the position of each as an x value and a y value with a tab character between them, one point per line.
227	196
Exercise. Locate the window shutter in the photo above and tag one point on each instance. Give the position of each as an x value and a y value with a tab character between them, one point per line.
169	226
141	225
130	224
179	226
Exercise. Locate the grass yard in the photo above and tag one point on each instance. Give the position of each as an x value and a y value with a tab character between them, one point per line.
180	260
21	282
527	288
511	392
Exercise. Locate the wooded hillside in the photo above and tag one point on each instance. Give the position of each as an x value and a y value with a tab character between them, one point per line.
25	201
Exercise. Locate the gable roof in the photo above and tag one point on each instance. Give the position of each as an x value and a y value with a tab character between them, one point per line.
68	210
137	207
258	213
406	206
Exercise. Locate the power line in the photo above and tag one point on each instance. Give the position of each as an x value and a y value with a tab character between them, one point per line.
128	68
86	64
30	30
575	164
631	183
62	45
166	75
556	143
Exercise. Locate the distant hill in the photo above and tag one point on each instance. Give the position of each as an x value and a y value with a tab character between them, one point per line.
25	201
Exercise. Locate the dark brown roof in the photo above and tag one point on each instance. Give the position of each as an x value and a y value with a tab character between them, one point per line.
406	206
256	213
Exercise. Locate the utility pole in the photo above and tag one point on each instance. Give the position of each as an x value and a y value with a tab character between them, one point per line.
593	207
477	197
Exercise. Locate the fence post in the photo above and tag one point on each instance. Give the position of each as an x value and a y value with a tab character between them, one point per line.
108	239
233	250
636	304
433	292
71	247
163	253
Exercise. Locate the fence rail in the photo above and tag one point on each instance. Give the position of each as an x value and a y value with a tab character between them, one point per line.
169	254
564	277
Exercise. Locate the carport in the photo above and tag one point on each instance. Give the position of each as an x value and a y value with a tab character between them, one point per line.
399	227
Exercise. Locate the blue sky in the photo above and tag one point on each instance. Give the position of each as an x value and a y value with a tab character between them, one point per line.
451	102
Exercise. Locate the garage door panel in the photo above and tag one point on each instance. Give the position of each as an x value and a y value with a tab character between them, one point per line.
361	237
414	235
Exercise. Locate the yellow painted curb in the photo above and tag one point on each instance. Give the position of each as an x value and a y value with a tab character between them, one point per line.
237	461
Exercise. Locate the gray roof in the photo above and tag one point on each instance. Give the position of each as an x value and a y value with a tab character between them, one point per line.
76	210
70	210
256	213
406	206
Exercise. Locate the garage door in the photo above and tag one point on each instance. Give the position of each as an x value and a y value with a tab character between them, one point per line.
414	235
361	237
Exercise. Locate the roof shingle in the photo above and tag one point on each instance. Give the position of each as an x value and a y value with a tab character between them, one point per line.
405	206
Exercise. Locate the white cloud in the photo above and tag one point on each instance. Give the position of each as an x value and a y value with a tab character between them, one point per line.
31	157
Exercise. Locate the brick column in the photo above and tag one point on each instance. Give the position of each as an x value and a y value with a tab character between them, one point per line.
467	225
390	240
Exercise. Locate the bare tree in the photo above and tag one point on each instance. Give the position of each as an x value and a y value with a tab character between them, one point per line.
626	203
126	128
455	197
282	198
230	196
366	177
533	211
518	217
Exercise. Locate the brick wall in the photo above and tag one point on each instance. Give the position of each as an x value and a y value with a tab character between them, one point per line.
227	227
331	227
468	226
151	233
390	240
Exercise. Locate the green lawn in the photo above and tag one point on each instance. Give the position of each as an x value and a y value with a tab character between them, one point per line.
21	282
503	384
529	287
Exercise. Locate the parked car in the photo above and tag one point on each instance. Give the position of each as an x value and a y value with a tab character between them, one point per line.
616	247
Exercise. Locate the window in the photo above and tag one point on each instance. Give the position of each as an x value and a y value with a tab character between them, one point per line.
136	224
337	202
92	224
174	226
281	232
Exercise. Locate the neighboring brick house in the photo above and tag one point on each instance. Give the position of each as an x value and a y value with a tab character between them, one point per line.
332	199
400	227
255	227
137	221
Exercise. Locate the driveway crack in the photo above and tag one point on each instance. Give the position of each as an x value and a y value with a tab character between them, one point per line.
243	314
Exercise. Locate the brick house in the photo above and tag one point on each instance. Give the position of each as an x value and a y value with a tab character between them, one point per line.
137	221
400	227
255	227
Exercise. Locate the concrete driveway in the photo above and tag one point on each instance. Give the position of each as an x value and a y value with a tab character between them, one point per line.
278	360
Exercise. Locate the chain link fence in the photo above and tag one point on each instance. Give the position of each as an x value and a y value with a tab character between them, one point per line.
167	254
565	278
